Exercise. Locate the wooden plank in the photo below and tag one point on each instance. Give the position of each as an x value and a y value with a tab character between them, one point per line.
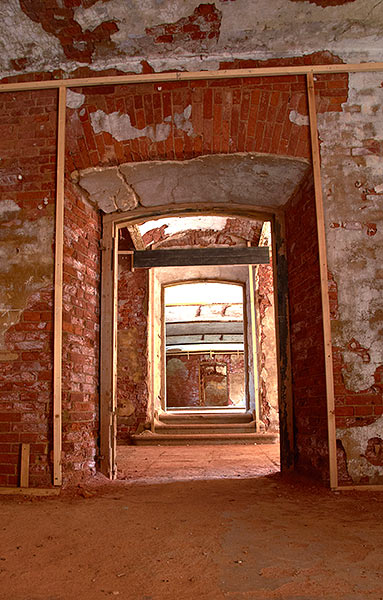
171	340
282	333
358	488
324	282
107	351
200	256
254	343
20	491
204	327
192	75
136	237
58	291
24	465
113	428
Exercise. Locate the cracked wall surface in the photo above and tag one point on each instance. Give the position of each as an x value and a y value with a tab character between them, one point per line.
351	151
180	34
241	179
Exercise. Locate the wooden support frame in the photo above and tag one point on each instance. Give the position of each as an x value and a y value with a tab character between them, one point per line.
254	344
24	465
136	236
191	76
58	291
62	86
323	281
108	362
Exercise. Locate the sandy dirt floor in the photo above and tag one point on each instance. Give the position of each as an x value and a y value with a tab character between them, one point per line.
220	530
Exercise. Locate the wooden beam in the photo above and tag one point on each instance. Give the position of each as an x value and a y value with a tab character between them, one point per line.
24	465
136	236
254	342
107	351
192	76
58	291
171	340
324	282
20	491
204	327
201	256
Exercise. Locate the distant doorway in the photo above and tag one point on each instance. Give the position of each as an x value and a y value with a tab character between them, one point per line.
204	345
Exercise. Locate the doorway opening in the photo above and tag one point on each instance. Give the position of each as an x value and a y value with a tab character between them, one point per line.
197	348
204	346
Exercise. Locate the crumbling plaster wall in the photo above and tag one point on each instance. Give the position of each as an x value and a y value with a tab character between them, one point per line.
132	350
27	184
181	34
267	347
352	171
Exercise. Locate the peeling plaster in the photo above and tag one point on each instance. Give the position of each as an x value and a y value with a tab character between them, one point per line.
354	440
74	99
351	31
347	182
108	189
26	265
241	178
298	119
120	127
8	206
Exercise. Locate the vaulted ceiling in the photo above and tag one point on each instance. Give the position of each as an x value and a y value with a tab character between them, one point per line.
62	36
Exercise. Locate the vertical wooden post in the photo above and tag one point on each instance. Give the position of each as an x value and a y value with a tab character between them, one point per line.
58	291
282	332
254	345
324	281
24	465
108	352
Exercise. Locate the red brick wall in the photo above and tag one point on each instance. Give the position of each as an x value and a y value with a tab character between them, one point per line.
236	115
132	368
307	349
81	314
27	181
185	391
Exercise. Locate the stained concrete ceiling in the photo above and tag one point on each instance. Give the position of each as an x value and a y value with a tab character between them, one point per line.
251	179
181	34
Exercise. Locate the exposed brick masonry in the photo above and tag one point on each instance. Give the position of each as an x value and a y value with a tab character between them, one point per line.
81	315
237	115
27	183
307	346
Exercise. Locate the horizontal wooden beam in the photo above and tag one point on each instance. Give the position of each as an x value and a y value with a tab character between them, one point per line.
147	259
27	491
233	338
204	327
191	76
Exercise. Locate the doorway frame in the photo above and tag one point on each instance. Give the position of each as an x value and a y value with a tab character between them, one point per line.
112	223
245	334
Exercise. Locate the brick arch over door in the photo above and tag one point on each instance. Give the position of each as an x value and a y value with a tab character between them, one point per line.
183	120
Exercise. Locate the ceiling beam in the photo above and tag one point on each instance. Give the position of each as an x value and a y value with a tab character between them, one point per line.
201	256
